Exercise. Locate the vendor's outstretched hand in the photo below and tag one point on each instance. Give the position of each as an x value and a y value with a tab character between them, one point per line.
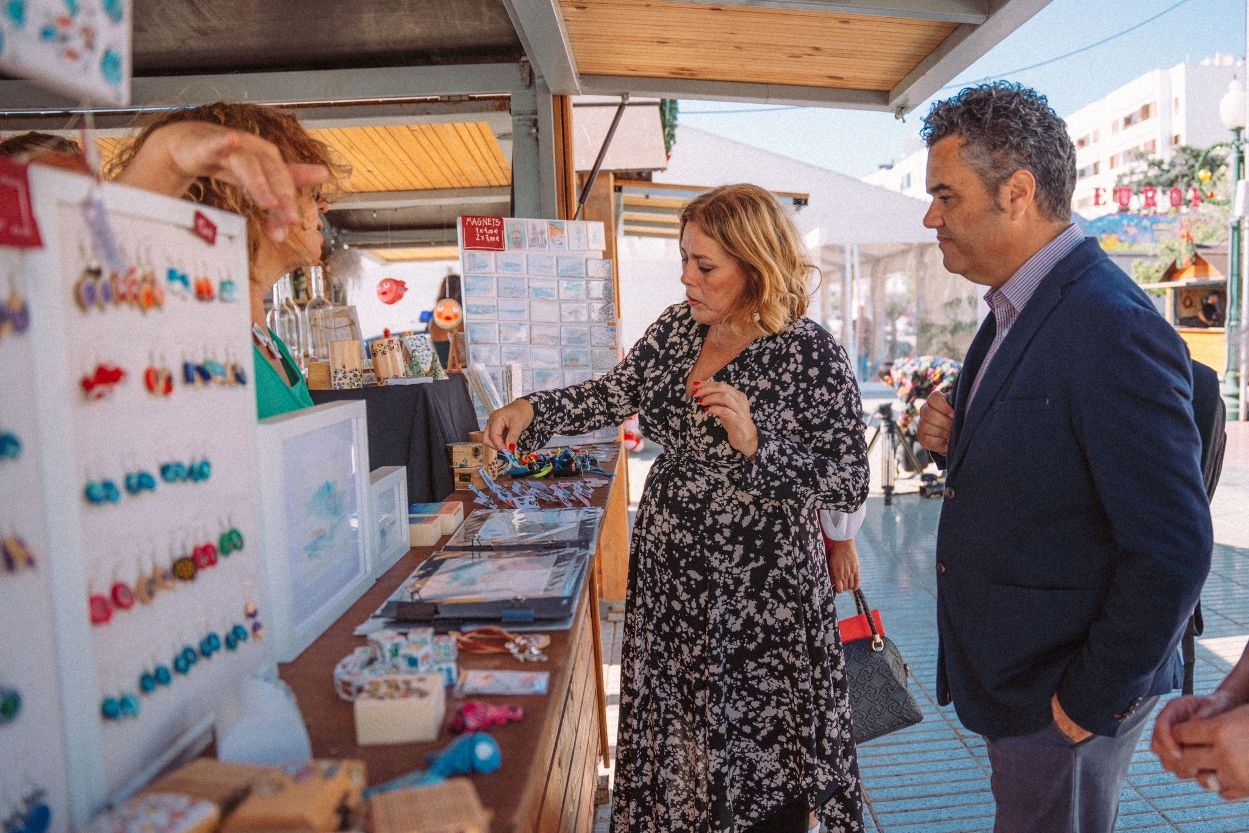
505	425
732	408
177	154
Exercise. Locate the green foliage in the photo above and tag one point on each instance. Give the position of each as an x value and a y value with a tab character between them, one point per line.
1180	171
949	337
668	120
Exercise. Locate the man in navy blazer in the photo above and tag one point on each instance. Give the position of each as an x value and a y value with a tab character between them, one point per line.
1075	532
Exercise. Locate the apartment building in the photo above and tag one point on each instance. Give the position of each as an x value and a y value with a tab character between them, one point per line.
1152	115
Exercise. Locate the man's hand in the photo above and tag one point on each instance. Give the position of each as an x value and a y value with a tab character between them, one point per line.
1074	731
936	419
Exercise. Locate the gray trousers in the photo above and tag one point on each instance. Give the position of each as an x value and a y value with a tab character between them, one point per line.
1043	783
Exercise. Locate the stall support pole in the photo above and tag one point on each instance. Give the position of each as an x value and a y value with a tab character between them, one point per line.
534	182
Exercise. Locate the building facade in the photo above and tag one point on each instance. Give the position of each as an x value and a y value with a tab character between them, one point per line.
1151	115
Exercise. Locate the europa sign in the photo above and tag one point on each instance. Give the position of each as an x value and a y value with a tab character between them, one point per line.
1151	197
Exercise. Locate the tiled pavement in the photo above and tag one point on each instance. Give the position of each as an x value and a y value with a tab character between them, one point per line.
934	777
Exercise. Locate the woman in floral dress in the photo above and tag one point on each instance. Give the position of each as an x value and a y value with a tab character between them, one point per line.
733	713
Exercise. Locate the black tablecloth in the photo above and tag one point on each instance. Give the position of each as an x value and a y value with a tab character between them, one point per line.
410	425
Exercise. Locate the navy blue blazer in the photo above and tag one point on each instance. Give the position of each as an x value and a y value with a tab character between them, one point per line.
1075	532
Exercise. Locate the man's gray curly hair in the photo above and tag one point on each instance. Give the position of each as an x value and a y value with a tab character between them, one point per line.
1006	127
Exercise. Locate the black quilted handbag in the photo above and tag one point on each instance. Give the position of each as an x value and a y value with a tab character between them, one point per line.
879	700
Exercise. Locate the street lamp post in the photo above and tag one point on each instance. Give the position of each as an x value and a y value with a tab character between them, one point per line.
1232	114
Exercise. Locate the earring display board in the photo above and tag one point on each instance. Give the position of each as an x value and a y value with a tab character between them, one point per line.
319	527
146	452
31	730
539	294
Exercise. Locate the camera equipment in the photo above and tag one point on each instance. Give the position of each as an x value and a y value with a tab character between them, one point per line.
897	447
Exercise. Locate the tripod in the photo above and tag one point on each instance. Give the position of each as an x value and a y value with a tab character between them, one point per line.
892	441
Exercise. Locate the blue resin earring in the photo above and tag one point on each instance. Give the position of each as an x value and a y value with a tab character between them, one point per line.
101	491
10	446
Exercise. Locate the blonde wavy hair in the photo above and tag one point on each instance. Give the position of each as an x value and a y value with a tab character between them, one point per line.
749	224
293	142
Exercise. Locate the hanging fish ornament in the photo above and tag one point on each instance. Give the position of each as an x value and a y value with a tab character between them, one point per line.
390	290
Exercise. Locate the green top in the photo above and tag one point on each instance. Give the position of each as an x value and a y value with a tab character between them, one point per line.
273	395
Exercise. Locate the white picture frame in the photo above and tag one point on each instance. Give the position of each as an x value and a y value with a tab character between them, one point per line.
389	487
316	518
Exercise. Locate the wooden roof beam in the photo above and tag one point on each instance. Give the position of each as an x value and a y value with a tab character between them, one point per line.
541	31
974	12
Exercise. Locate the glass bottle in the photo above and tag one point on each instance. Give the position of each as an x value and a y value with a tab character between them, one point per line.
285	320
321	317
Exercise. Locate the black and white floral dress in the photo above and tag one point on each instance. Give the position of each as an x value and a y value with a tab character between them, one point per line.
733	694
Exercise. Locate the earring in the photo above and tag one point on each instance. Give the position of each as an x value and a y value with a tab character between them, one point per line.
10	704
121	595
16	554
86	289
200	471
102	491
140	481
231	541
102	381
15	314
101	610
158	380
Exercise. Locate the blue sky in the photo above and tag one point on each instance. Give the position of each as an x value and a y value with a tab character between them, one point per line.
855	142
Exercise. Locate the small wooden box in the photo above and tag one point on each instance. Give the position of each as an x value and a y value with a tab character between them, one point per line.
314	796
319	377
406	708
449	807
470	455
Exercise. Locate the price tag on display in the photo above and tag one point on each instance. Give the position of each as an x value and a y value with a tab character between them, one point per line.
205	229
102	238
482	233
17	217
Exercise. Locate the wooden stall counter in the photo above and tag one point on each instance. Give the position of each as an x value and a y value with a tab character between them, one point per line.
549	760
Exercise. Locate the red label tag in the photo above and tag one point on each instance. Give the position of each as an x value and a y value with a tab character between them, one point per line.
482	233
205	229
17	216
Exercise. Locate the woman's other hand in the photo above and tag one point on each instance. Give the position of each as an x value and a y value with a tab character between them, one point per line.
177	154
732	408
843	564
505	425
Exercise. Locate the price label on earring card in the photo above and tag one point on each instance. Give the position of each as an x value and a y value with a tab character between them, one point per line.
17	216
204	228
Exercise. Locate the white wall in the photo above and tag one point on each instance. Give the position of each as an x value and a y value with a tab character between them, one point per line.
650	282
423	279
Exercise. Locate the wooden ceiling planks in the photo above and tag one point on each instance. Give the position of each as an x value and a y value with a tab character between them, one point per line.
758	45
420	157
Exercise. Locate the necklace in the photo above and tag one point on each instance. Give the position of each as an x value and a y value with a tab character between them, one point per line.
262	337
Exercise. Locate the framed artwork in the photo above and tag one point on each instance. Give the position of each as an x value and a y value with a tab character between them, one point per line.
389	487
317	520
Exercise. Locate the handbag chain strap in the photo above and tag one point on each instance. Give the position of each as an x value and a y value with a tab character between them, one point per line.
860	601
